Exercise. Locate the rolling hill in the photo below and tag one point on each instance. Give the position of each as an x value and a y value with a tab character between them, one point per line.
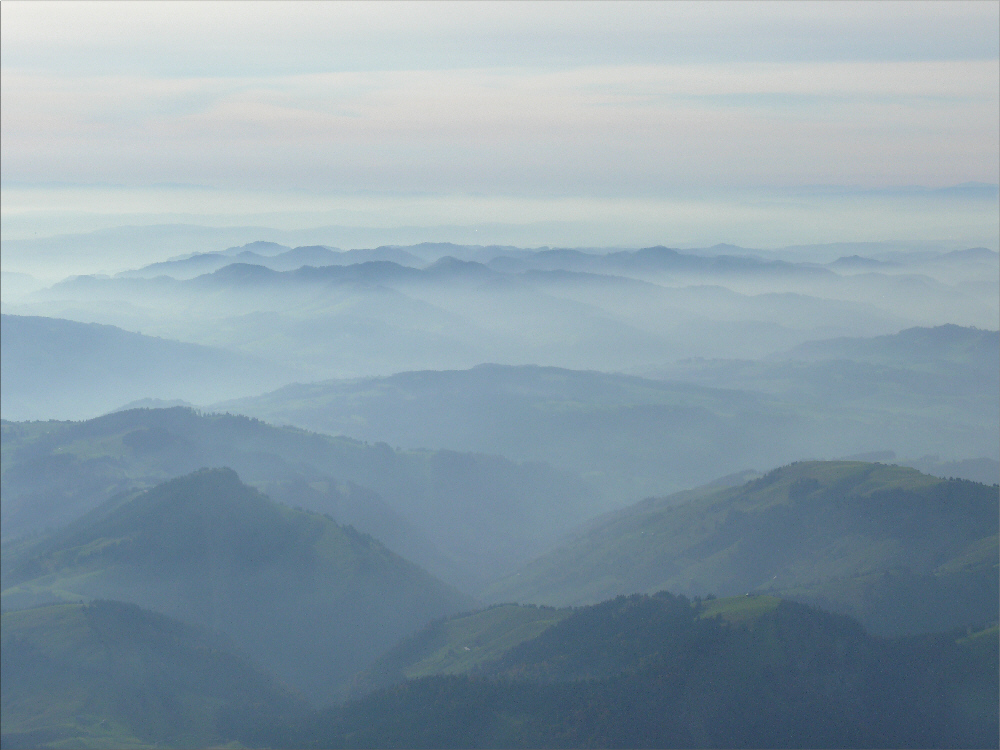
635	437
308	599
946	375
899	550
975	348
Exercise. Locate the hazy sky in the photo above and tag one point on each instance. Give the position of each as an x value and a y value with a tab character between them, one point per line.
407	112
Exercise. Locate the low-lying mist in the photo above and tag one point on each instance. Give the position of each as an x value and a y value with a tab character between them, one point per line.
735	351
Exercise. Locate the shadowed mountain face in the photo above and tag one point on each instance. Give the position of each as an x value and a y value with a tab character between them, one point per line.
310	600
466	517
109	674
901	551
55	368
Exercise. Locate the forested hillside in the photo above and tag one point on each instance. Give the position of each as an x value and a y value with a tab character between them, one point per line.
656	671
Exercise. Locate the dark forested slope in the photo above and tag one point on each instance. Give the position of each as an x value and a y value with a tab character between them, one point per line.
656	671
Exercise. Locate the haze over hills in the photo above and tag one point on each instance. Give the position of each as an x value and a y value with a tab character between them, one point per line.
488	375
900	551
915	346
310	600
285	259
117	247
739	360
54	368
408	308
834	398
539	676
635	437
945	374
466	517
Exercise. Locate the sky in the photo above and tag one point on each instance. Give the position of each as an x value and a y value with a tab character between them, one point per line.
670	121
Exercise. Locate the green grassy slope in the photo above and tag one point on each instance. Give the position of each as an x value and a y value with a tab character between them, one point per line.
458	644
109	674
900	550
474	642
310	600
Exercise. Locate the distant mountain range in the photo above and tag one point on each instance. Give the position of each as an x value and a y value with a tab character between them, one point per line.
389	309
329	313
273	256
720	260
635	437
